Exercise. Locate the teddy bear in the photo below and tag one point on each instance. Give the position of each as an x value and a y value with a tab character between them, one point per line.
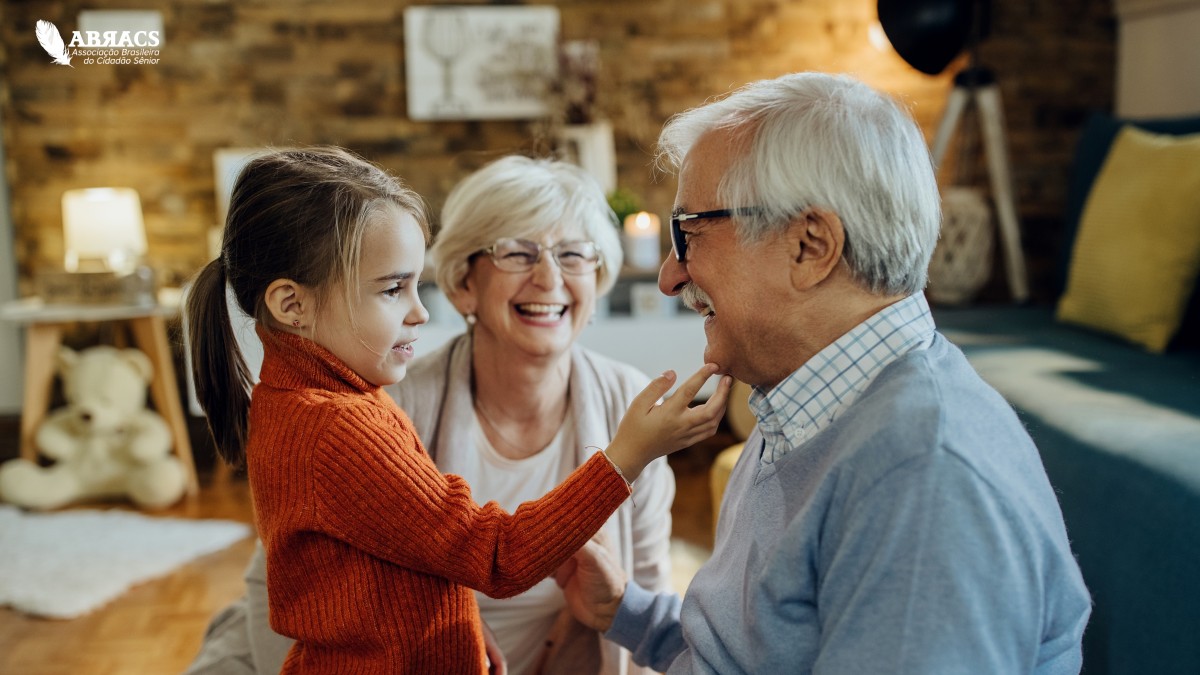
105	443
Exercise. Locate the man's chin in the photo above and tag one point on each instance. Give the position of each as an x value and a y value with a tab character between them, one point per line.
712	355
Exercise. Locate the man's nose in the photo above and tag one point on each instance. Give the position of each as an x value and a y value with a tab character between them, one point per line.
672	276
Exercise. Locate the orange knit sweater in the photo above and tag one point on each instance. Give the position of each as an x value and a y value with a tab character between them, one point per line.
371	552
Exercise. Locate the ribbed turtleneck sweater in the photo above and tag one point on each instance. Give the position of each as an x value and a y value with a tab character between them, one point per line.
371	552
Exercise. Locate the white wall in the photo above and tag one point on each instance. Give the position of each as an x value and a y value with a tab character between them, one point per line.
12	374
1158	58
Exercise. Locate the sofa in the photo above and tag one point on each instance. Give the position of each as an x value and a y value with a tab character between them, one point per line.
1119	433
1107	381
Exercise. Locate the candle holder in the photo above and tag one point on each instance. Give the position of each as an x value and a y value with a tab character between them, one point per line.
641	241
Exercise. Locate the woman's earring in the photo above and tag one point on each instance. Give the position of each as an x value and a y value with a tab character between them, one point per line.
296	323
470	319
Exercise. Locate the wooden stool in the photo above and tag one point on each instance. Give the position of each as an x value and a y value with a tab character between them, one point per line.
43	338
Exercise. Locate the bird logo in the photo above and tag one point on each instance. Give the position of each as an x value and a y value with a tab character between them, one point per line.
52	42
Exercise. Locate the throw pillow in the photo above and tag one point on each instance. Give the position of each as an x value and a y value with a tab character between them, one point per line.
1090	151
1138	250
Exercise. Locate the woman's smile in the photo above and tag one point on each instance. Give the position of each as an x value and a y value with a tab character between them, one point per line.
541	314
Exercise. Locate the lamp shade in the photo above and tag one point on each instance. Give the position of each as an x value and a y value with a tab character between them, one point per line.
928	34
104	224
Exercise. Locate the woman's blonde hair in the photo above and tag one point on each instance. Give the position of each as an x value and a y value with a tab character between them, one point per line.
523	198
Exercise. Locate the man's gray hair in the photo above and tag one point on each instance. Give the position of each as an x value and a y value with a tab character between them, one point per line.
814	140
523	198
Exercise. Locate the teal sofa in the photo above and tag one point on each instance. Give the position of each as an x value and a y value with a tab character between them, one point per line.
1119	434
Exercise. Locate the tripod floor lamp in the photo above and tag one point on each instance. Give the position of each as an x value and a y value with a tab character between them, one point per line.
929	34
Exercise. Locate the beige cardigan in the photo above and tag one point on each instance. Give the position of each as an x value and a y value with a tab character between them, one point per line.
436	394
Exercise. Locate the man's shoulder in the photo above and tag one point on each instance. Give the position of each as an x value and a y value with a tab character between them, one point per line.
931	405
927	382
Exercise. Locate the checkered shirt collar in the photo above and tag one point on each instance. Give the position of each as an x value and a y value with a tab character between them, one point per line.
810	399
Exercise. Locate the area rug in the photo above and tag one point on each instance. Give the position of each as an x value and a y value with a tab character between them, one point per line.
63	565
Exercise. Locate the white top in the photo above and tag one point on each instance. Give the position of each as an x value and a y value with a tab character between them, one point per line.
520	623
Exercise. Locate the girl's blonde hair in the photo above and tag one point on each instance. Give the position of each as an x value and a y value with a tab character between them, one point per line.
294	214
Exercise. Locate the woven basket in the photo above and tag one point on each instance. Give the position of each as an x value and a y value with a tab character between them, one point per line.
962	261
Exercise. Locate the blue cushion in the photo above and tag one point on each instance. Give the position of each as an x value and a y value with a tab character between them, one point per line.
1090	152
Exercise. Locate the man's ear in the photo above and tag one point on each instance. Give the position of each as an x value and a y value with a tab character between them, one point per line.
815	242
290	303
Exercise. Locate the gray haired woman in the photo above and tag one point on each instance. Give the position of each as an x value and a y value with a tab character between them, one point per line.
513	405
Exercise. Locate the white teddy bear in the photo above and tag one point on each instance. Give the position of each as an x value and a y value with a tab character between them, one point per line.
105	442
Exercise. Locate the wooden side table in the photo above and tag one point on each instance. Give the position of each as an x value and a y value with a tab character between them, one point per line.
43	336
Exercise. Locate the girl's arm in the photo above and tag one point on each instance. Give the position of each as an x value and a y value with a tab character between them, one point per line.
377	490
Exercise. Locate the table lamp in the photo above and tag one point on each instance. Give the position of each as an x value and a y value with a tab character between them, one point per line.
103	230
104	241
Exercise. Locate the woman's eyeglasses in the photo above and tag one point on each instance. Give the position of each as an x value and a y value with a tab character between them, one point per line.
520	255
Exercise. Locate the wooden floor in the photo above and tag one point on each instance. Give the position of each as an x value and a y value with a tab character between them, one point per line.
156	627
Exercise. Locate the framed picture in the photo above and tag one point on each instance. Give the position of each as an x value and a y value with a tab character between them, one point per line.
479	62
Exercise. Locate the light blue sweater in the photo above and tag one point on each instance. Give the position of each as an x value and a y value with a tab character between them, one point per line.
918	533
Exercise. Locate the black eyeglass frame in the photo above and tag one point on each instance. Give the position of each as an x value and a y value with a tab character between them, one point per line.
678	236
541	249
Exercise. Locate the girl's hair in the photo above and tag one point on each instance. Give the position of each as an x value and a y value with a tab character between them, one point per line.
294	214
827	141
524	198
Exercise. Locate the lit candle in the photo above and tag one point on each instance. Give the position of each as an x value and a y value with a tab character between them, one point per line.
641	240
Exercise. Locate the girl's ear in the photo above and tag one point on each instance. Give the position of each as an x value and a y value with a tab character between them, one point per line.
291	305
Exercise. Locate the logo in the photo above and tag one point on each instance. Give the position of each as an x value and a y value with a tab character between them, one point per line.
108	47
50	39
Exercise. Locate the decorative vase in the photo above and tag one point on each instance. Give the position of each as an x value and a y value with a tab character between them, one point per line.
591	147
962	261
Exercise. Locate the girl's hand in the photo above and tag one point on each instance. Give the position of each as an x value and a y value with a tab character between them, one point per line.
651	430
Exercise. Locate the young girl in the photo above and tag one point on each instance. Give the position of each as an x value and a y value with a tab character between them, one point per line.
370	551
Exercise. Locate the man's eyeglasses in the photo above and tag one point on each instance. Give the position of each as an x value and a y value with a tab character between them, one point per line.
520	255
679	237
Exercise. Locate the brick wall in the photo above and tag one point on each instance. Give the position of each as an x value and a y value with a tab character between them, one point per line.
255	73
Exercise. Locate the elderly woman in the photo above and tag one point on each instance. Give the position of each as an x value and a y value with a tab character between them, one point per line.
513	405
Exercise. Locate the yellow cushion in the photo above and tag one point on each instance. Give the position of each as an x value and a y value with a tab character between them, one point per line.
1138	251
737	411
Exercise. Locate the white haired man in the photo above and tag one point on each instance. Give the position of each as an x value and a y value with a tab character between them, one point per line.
889	513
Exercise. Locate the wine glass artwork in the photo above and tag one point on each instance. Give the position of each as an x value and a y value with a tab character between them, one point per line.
446	38
465	62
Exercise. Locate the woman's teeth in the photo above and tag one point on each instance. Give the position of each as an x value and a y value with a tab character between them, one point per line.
541	310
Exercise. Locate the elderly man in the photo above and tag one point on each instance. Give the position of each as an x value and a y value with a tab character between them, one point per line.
889	513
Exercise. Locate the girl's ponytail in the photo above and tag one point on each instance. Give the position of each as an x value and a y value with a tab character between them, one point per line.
294	214
219	371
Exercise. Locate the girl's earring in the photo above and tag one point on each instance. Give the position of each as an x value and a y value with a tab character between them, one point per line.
470	319
296	323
